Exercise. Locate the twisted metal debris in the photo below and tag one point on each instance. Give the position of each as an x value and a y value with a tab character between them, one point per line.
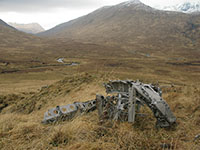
124	105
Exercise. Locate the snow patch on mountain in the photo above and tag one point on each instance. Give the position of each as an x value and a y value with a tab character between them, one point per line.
186	7
136	5
131	2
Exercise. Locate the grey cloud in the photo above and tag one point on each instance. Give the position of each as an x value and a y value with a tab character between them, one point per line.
44	5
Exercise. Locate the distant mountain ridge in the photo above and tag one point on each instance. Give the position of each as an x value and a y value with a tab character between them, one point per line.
32	28
105	12
129	24
186	7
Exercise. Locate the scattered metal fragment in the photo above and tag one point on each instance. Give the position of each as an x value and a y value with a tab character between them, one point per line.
197	137
128	97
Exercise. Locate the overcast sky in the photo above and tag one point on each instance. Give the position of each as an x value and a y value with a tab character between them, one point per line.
49	13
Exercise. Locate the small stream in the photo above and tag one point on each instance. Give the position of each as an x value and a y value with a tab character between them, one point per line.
61	60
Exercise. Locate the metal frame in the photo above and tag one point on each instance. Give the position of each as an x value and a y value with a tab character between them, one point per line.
123	106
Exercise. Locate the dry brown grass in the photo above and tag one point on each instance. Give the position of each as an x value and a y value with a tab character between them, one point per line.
24	131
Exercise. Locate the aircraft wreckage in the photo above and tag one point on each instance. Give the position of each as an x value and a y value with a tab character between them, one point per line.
124	104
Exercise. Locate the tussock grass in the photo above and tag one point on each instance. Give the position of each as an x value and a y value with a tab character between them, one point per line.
21	130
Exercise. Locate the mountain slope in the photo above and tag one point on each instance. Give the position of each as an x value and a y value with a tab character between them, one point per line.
18	46
2	23
32	28
10	36
131	23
